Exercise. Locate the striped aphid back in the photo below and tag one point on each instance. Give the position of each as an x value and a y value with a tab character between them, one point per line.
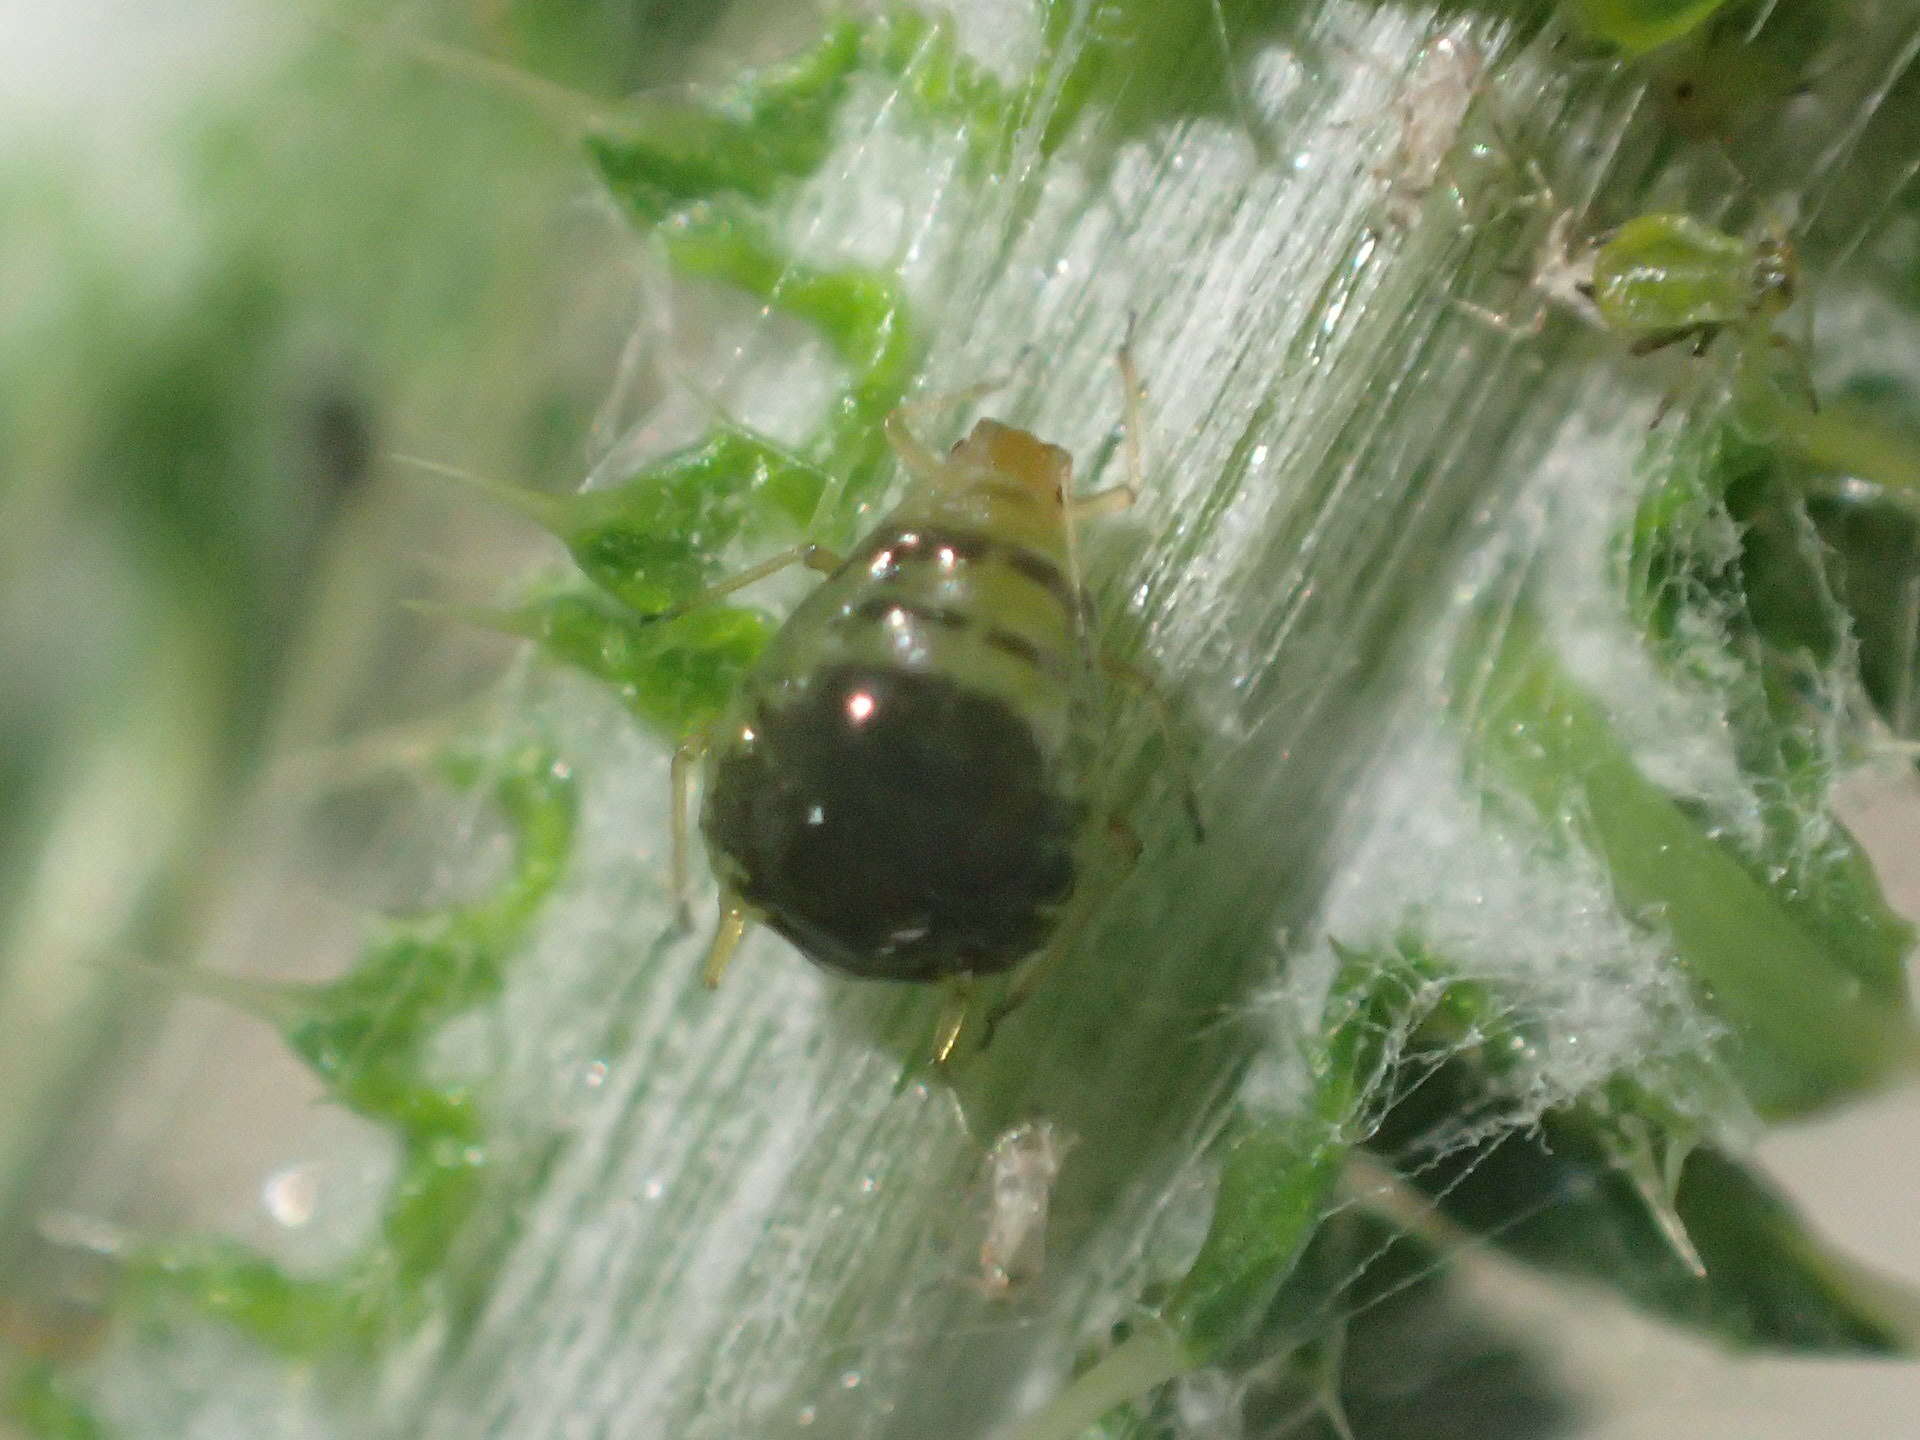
900	791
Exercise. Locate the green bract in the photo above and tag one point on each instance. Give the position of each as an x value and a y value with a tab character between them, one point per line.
1640	25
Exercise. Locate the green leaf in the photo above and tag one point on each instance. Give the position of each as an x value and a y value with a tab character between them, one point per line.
1783	964
1741	1266
676	675
1280	1168
1640	25
775	126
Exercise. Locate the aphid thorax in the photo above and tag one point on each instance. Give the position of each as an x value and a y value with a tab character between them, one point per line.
994	453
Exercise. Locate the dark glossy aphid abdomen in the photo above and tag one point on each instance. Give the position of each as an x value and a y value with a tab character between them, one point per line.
895	823
900	786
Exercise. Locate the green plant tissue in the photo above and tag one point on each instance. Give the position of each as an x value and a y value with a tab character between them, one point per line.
1512	662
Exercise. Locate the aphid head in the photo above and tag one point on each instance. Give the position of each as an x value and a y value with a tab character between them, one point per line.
1003	451
1776	275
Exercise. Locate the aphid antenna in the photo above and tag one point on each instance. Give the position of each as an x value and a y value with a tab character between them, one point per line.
1256	131
1722	152
924	463
276	1002
923	406
721	419
499	620
1133	404
1797	357
570	108
407	746
960	1117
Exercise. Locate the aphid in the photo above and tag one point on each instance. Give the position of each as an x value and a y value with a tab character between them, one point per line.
1021	1170
900	786
1432	108
1665	279
1662	279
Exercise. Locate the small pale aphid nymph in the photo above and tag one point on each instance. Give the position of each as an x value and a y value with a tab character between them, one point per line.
1432	110
1021	1170
902	783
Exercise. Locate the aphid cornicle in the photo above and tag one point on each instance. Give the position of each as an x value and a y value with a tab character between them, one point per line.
900	786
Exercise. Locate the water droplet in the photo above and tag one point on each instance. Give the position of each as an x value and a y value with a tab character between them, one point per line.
290	1195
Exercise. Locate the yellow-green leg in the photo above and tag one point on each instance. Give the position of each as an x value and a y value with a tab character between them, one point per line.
814	557
734	920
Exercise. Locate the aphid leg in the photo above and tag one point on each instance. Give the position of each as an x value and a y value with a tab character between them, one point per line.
1029	976
814	557
1131	394
1560	276
956	1001
734	919
686	756
1110	501
1701	335
1144	687
1506	324
1660	410
1114	498
1802	372
922	462
1079	910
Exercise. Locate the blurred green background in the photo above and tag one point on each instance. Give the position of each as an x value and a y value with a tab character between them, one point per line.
254	262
